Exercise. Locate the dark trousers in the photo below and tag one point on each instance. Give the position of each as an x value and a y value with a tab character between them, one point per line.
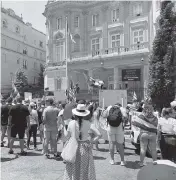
168	147
33	131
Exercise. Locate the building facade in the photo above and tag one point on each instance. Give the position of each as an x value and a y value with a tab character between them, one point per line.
22	48
112	42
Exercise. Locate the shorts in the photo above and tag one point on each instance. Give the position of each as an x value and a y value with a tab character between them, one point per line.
115	134
119	138
17	130
50	134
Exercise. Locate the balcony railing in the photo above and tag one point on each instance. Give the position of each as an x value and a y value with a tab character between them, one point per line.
107	51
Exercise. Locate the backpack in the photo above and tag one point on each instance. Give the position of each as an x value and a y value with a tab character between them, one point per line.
114	118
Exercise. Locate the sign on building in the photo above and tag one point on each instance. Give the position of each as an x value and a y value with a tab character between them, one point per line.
131	74
111	97
28	95
50	84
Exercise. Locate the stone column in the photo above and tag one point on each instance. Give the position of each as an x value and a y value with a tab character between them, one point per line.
104	10
116	78
85	31
145	78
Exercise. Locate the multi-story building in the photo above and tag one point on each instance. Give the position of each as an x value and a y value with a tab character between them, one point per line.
22	48
113	40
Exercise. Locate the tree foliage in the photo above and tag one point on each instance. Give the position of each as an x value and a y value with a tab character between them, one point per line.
21	81
161	79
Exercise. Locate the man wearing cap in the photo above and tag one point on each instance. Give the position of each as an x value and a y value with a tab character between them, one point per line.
4	120
18	115
50	127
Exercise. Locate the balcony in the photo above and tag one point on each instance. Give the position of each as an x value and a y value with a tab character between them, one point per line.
109	52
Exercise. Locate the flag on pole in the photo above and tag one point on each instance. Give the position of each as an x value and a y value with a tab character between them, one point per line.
69	33
96	82
134	96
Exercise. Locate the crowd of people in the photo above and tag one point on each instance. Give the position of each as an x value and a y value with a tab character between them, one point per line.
83	122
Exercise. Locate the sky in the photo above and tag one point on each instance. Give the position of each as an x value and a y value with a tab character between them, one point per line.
31	12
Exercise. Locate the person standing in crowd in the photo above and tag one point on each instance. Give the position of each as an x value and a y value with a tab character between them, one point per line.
60	119
115	131
18	115
147	123
4	120
34	123
167	132
40	110
83	168
26	103
140	108
96	123
173	107
50	128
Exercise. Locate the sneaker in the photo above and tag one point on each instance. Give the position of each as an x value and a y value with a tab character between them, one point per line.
23	153
47	156
36	149
10	152
112	162
56	155
2	144
141	164
123	163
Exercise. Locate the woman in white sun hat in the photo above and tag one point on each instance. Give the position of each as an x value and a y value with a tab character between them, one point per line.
83	168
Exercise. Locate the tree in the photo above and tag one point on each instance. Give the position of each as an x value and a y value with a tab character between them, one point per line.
21	81
41	78
161	81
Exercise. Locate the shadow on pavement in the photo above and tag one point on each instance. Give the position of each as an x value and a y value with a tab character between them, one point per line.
128	154
132	165
101	150
98	158
34	154
7	159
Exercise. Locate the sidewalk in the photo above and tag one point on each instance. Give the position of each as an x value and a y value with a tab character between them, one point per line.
34	166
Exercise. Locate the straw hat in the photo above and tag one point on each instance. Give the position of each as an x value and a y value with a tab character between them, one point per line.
80	110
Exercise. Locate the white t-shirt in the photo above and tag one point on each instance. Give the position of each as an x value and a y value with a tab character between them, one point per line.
167	125
33	117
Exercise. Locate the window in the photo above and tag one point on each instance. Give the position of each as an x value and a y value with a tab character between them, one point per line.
24	37
4	57
115	40
59	23
77	44
59	83
35	65
158	4
17	29
24	64
115	15
137	9
110	78
18	48
138	36
4	43
76	22
40	55
35	53
25	51
95	44
59	51
34	80
95	20
111	86
4	23
41	44
18	60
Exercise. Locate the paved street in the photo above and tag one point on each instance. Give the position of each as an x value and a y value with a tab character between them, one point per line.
36	167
